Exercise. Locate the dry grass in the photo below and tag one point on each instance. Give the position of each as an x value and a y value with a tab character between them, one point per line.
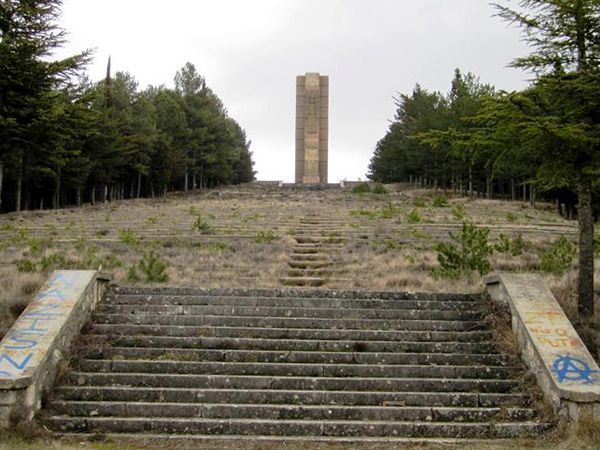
383	248
571	442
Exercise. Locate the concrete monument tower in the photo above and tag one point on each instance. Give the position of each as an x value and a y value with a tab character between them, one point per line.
312	128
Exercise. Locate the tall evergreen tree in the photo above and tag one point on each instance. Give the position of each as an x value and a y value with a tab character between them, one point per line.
563	37
28	36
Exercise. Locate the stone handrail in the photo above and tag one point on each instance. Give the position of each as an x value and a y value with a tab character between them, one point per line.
40	339
566	371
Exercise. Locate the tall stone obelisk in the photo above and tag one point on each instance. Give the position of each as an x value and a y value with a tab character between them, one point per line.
312	128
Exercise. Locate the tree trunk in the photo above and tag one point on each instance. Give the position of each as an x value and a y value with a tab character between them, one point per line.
488	186
532	195
471	181
585	278
524	192
41	203
93	195
1	178
139	185
56	197
513	190
185	180
105	193
78	196
19	186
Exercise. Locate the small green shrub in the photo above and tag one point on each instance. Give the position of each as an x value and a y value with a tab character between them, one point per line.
152	220
26	266
503	245
518	245
511	217
379	188
201	225
361	188
467	251
263	237
36	245
151	267
514	246
219	246
414	217
459	212
558	257
440	201
128	237
53	262
364	212
389	211
110	262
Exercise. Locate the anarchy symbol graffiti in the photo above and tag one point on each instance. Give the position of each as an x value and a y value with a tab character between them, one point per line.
568	368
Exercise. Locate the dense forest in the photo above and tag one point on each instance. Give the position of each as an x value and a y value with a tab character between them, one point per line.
545	138
460	141
65	140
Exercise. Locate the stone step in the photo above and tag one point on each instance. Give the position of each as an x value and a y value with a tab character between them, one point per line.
304	281
302	250
299	302
294	293
297	427
291	333
298	369
291	322
291	383
310	264
290	311
310	257
313	273
296	344
182	354
298	397
287	412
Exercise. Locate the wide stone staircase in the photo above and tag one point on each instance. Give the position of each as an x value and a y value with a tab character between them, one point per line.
293	363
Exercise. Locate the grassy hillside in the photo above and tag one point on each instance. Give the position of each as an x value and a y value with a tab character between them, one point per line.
242	237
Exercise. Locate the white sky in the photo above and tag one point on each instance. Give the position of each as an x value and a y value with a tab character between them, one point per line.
250	52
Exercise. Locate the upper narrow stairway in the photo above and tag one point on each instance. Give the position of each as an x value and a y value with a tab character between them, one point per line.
294	363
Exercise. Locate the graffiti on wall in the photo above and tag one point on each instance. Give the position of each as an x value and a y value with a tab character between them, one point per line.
561	347
27	341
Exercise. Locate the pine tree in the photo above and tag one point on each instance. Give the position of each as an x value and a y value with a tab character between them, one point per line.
563	36
28	36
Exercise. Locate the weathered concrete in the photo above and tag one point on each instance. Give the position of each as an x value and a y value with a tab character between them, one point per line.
32	349
292	362
566	371
312	128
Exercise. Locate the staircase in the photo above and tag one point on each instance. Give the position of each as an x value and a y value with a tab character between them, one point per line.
311	262
320	365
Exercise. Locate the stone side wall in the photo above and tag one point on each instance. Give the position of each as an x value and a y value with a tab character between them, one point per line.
31	352
312	128
565	370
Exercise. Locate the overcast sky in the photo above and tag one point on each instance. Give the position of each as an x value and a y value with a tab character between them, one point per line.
250	52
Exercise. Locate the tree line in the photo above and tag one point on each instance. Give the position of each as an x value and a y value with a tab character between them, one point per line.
65	140
545	138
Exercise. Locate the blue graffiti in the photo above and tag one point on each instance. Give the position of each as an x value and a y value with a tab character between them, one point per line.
54	293
568	368
19	366
32	329
67	281
22	343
